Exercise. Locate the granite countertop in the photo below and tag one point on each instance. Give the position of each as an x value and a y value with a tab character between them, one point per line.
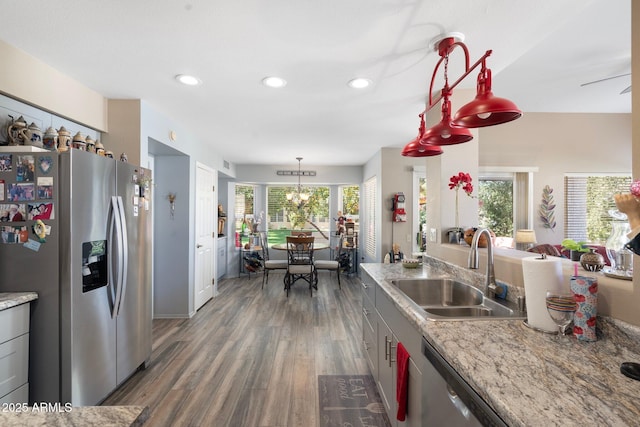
111	416
11	299
530	378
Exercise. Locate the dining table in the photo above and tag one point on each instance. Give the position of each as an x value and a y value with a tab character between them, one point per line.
317	246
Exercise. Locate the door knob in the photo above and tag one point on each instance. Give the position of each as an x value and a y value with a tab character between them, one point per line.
198	246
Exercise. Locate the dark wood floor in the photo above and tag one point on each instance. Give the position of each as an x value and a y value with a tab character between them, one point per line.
250	357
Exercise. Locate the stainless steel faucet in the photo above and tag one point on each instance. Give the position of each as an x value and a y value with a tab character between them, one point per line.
474	262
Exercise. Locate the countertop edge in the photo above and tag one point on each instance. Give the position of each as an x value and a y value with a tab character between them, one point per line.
12	299
114	416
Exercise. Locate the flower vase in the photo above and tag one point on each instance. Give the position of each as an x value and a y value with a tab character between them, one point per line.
457	213
455	235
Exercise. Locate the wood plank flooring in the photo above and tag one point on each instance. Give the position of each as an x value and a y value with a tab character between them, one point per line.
251	356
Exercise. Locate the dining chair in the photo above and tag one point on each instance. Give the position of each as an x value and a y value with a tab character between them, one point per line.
300	262
269	264
332	265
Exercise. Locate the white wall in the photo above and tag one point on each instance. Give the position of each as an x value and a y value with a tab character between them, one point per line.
558	144
325	175
30	80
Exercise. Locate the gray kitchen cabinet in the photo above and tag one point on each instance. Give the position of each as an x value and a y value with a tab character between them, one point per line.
369	327
387	369
14	354
384	321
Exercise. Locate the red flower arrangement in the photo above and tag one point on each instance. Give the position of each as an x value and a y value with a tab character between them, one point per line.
635	188
456	182
462	180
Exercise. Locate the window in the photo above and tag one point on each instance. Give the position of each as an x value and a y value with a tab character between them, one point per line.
495	210
588	199
370	213
243	205
505	200
284	216
349	201
420	210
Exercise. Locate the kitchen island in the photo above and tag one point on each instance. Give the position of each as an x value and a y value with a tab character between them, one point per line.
528	378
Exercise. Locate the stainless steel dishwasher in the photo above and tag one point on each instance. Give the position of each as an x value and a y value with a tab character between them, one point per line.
449	400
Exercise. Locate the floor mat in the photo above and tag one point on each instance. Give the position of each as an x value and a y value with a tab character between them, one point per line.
350	400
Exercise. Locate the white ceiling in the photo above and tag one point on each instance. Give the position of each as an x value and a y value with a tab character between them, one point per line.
542	51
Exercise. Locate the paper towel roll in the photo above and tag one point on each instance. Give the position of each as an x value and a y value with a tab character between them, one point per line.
541	275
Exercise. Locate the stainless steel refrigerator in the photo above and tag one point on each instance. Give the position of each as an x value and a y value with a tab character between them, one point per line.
91	325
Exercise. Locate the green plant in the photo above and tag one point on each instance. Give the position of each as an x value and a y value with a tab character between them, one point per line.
572	245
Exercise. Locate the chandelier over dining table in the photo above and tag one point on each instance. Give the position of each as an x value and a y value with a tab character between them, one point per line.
299	198
485	110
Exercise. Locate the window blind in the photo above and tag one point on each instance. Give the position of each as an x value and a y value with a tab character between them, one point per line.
370	214
575	212
588	200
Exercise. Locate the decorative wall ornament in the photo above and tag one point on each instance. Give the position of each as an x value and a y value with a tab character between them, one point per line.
172	204
546	208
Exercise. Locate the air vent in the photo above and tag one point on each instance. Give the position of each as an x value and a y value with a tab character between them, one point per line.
225	164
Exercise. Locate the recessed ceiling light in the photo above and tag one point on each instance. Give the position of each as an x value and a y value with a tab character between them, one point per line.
359	83
188	80
276	82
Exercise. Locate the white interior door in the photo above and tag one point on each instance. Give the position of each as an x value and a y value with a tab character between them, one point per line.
205	220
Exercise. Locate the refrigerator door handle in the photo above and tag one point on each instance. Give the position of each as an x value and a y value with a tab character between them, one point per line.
116	252
124	253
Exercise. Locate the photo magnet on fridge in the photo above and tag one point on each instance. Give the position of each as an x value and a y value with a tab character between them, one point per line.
21	192
25	169
45	187
45	163
13	212
6	162
40	211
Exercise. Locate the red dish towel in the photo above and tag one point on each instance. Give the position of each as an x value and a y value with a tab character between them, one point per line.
402	382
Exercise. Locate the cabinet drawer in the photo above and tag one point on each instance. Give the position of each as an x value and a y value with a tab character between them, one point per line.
371	350
368	314
14	364
369	287
14	321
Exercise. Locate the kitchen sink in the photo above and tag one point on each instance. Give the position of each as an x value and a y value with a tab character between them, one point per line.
439	292
449	299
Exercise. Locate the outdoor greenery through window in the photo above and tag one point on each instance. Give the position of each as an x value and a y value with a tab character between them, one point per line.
244	211
421	239
243	208
284	216
350	201
495	210
588	200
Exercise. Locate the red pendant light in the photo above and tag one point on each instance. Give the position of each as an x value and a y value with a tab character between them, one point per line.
445	133
486	109
416	149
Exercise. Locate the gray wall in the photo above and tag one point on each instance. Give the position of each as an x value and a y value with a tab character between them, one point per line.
173	294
